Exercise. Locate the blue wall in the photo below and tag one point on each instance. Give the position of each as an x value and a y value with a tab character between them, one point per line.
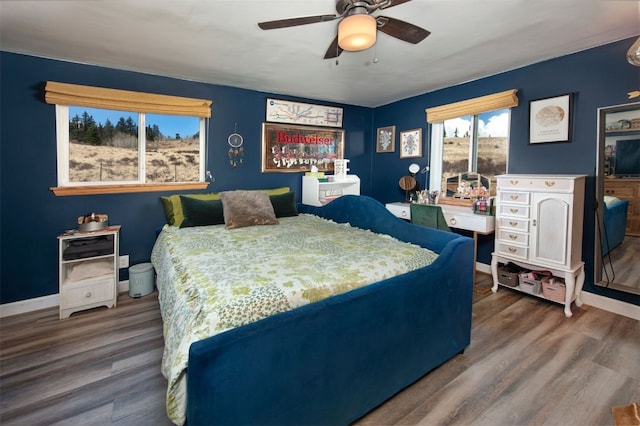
598	77
31	216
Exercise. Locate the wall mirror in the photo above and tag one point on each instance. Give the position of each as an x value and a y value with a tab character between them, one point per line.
617	247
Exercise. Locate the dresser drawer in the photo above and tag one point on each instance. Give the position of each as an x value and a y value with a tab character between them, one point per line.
509	236
514	197
512	223
84	294
627	193
513	210
542	183
512	250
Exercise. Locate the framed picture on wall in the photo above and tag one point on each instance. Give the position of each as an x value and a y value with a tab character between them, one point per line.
290	148
386	139
550	119
411	143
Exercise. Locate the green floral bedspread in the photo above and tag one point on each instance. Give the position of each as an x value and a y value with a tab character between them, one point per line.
211	279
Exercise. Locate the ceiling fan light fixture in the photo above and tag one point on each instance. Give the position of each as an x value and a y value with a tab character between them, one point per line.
633	55
357	32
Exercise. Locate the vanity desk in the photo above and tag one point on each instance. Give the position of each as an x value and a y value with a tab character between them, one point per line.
459	217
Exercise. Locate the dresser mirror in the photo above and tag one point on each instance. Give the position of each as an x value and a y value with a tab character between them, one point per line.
617	247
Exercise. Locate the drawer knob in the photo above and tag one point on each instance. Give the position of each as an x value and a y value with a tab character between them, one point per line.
452	221
88	295
404	213
513	237
512	250
514	182
515	197
514	210
549	183
512	223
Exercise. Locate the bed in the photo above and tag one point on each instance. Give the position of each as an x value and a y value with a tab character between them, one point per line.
615	223
312	355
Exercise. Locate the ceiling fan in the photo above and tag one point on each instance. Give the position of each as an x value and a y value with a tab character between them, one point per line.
357	28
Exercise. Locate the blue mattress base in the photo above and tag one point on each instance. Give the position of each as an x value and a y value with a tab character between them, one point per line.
333	361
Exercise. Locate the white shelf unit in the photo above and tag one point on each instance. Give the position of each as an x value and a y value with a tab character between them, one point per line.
539	227
316	193
90	281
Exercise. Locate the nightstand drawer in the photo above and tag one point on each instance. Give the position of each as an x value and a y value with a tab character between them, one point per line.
83	294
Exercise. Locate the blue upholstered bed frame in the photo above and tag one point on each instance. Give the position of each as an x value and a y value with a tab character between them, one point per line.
615	224
332	361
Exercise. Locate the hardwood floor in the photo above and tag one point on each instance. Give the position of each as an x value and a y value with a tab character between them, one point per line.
527	364
621	265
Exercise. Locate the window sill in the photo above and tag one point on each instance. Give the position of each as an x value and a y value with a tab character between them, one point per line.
61	191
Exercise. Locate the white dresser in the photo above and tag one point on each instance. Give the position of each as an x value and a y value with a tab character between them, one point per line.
539	227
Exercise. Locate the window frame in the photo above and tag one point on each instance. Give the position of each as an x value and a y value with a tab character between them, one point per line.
437	149
66	187
66	94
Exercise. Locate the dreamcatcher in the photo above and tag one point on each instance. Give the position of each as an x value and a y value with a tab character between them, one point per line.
236	151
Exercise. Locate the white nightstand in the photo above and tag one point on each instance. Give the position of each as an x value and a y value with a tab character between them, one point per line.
88	269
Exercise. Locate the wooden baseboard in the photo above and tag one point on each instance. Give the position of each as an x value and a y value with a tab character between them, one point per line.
44	302
611	305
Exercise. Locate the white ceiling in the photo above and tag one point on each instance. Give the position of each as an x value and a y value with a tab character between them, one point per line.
218	41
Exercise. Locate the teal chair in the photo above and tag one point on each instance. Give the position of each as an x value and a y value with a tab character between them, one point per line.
428	215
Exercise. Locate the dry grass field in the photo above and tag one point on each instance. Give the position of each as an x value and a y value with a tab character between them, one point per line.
166	161
492	157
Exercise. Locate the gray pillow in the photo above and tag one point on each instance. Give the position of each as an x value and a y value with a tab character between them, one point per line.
247	208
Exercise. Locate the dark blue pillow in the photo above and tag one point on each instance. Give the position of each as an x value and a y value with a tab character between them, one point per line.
201	212
284	205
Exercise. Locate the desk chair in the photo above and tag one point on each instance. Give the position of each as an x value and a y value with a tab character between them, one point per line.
428	215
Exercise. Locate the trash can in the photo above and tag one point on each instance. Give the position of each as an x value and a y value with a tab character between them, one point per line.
141	280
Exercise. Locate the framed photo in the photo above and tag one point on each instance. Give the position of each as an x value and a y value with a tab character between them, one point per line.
386	139
411	143
290	148
280	111
550	119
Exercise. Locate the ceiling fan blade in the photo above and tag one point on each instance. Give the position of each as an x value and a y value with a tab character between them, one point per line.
401	30
293	22
334	50
393	3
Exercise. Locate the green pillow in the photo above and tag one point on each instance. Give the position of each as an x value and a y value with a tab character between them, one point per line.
173	207
201	212
284	205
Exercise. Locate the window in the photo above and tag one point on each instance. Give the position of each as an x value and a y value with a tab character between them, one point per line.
132	145
101	146
472	143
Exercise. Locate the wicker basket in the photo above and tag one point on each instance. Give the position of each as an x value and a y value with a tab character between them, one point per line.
554	288
531	282
508	274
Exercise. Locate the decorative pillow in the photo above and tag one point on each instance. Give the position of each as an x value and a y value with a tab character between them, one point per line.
609	200
201	212
173	207
247	208
284	205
